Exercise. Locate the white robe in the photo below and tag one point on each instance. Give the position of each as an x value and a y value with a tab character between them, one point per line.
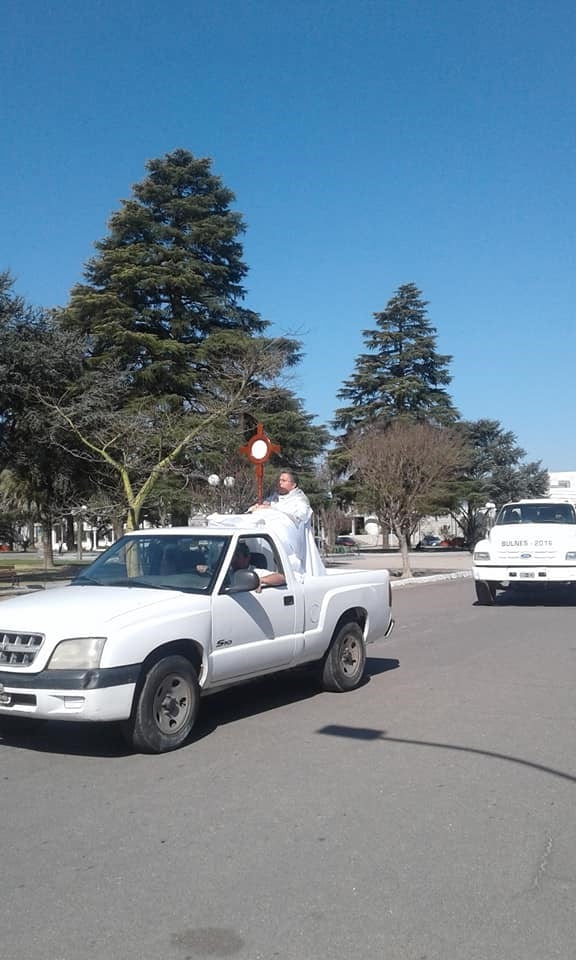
289	520
295	504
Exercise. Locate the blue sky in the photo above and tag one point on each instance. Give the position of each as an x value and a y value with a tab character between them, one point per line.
369	144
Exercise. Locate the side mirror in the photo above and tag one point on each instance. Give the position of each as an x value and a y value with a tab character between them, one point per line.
243	581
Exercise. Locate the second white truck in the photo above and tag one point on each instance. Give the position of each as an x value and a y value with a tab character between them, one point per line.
532	541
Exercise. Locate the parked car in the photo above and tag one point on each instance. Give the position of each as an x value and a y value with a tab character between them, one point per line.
453	543
346	541
429	542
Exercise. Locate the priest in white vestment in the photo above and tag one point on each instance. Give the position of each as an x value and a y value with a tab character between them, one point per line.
291	501
288	513
288	498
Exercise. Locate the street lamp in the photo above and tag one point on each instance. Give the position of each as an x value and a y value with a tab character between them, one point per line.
490	513
214	482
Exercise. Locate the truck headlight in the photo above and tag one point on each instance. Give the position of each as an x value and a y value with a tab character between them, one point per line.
571	555
480	555
78	653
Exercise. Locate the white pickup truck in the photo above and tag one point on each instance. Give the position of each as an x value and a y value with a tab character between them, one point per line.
160	619
532	541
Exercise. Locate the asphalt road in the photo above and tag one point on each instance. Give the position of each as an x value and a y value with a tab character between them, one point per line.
426	816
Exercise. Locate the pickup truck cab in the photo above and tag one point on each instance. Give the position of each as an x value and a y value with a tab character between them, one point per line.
532	541
161	618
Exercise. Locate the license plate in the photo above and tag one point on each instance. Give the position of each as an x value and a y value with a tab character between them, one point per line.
527	574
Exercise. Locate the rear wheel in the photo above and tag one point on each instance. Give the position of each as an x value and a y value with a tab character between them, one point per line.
343	666
166	707
485	592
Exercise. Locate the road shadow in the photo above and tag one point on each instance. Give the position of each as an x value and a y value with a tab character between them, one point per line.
65	737
237	703
270	693
376	665
372	734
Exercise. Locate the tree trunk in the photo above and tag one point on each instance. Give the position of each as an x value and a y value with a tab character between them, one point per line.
328	521
404	545
133	517
70	534
47	550
179	518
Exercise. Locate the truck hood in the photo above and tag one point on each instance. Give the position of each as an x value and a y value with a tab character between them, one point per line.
87	609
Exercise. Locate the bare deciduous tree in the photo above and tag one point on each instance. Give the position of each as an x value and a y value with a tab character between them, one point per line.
138	441
403	467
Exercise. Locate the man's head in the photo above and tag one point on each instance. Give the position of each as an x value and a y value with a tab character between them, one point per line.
241	557
286	482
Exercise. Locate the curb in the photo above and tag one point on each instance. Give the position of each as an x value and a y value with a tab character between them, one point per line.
412	581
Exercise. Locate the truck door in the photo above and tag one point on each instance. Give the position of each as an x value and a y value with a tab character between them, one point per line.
254	632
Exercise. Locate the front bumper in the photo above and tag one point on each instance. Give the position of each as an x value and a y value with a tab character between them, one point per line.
104	694
525	574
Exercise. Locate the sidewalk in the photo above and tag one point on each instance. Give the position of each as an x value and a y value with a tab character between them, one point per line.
425	565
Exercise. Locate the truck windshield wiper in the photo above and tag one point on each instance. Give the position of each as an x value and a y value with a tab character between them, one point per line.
134	582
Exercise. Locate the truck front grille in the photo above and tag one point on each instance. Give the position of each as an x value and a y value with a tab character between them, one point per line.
529	557
19	649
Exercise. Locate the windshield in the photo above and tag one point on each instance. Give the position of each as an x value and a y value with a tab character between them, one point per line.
162	562
536	513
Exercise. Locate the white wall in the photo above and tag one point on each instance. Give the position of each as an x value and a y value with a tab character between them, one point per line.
562	485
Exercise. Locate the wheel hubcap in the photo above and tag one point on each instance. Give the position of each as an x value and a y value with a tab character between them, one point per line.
350	655
172	704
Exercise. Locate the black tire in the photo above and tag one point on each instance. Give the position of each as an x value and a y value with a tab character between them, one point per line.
343	665
166	707
485	592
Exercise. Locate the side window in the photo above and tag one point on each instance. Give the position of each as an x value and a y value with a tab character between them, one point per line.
263	554
278	567
259	555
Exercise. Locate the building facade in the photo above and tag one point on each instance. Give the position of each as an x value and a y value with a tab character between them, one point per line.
562	485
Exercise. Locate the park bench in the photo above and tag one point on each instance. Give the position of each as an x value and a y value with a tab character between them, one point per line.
8	575
341	548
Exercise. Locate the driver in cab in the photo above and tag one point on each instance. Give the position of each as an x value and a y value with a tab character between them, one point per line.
241	561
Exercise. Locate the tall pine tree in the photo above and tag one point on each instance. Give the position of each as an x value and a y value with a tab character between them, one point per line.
496	472
176	361
401	375
168	275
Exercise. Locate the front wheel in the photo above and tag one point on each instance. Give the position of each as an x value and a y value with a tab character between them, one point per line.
343	666
485	592
166	707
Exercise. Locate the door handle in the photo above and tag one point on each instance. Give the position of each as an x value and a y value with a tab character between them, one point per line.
289	601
